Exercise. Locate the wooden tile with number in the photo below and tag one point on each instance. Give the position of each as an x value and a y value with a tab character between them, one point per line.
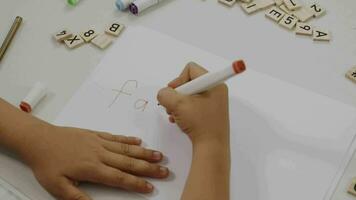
351	74
321	35
114	29
292	4
288	21
303	14
88	35
102	41
316	9
303	29
246	1
275	13
74	41
62	35
229	3
250	8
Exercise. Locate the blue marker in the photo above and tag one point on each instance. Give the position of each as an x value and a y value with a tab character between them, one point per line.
123	4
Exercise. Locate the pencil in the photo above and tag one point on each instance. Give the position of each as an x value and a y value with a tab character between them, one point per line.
10	36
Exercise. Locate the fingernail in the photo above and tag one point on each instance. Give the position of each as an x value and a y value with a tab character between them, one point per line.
157	155
149	186
163	170
138	140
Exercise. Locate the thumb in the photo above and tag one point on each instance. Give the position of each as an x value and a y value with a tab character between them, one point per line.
67	191
169	98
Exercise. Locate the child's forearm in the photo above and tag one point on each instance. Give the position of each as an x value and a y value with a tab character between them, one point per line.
16	127
210	172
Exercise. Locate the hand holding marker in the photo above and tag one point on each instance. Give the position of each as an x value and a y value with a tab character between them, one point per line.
212	79
136	6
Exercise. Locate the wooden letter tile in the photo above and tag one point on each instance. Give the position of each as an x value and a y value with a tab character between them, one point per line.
262	4
278	2
351	74
74	41
292	4
275	14
102	41
285	9
115	29
228	2
321	35
303	14
62	35
250	8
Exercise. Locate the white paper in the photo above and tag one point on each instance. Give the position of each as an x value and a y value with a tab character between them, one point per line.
287	142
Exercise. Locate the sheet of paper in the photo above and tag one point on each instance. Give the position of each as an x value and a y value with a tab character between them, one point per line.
8	192
287	142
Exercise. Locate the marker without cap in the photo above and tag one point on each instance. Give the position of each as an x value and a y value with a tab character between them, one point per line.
210	80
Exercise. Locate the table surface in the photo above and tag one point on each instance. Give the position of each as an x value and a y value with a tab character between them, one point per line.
35	56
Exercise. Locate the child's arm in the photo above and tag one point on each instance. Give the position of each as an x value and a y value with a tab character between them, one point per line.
205	119
61	157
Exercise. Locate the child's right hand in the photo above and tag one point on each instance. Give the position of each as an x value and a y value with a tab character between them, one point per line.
204	117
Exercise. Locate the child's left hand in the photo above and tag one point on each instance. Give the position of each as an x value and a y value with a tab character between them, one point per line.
61	157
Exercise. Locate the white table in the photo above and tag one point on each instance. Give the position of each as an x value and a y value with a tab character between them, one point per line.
35	56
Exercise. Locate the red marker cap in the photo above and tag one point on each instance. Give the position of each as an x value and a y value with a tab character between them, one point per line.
239	66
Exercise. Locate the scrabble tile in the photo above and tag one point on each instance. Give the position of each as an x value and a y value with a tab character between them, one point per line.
102	41
88	35
316	9
292	4
74	41
246	1
285	9
275	14
262	4
115	29
303	29
250	8
352	187
62	35
278	2
351	74
321	35
303	14
288	21
228	2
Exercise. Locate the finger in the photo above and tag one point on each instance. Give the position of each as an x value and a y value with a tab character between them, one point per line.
120	138
135	166
170	99
171	119
133	151
65	190
190	72
116	178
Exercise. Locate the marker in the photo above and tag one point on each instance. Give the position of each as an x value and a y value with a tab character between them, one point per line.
140	5
210	80
123	4
15	26
37	92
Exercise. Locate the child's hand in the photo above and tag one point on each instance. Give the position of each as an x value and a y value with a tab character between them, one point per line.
62	157
204	117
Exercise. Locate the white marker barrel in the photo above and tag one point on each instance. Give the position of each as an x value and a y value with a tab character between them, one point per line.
37	92
140	5
210	80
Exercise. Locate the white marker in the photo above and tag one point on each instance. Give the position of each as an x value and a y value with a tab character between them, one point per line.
37	92
140	5
210	80
123	4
